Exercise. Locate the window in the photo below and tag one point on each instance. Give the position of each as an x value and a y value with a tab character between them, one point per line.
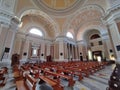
36	31
92	44
34	51
100	43
69	35
95	36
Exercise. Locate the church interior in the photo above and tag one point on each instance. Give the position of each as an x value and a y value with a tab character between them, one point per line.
59	44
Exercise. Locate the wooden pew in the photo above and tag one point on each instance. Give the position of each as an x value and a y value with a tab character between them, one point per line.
3	79
69	72
30	82
58	76
55	85
20	85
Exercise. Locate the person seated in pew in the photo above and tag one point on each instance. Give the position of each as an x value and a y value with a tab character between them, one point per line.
42	85
52	70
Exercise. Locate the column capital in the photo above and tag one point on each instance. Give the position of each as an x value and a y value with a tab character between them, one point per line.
15	22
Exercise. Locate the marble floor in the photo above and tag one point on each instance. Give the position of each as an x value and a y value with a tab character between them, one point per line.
97	81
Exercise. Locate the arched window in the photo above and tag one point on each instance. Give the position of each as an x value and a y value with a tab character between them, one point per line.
95	36
36	32
69	35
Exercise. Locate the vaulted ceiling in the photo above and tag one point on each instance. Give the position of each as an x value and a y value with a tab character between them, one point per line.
57	17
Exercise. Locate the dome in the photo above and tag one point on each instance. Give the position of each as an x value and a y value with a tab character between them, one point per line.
59	7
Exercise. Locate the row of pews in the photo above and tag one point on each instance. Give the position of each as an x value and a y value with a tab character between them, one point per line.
3	78
52	72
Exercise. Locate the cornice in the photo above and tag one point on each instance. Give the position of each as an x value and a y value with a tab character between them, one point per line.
8	19
5	17
111	12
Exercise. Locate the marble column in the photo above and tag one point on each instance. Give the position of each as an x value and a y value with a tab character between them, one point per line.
107	47
115	38
43	52
65	51
3	38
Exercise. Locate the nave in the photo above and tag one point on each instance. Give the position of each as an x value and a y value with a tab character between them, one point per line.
74	35
95	81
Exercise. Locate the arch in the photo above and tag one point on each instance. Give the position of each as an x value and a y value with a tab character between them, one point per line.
94	36
32	25
68	24
96	25
42	14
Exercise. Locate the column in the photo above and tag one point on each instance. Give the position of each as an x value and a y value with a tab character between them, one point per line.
107	47
115	38
0	28
3	38
48	50
68	45
61	51
10	42
7	42
72	53
52	51
42	57
65	51
8	29
56	51
25	50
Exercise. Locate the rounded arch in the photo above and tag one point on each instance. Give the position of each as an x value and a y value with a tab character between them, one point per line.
32	25
74	20
42	14
97	25
94	36
88	33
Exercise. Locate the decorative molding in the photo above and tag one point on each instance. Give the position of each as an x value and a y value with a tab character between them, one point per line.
111	13
8	19
59	12
88	13
5	17
43	16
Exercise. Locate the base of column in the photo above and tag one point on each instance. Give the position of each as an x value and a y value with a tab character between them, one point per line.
118	61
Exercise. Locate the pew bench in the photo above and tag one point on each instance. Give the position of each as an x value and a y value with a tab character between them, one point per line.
2	81
20	85
54	84
30	82
58	76
72	73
